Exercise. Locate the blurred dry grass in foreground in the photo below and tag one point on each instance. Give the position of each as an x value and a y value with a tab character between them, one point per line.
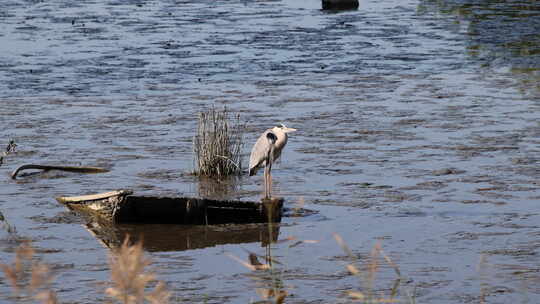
367	273
29	278
131	282
272	289
130	279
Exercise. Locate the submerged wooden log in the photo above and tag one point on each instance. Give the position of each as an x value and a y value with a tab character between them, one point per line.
123	207
61	168
340	4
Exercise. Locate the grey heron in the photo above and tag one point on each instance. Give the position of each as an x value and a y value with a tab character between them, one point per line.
267	150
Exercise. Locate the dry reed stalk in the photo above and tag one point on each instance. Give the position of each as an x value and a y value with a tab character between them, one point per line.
275	292
482	270
271	292
276	296
218	144
130	279
368	276
29	279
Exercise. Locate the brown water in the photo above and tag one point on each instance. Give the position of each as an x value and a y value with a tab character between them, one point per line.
418	127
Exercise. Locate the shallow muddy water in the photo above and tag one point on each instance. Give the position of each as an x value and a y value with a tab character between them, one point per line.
418	128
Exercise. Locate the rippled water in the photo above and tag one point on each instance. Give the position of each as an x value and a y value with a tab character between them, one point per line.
418	127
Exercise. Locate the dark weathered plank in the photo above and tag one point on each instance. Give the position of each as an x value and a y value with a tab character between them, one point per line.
122	207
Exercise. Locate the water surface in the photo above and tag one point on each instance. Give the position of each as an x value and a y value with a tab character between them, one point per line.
418	128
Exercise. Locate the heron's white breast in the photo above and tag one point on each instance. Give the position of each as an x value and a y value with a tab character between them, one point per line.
280	142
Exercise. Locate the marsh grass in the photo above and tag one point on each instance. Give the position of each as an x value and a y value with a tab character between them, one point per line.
29	278
269	284
131	279
133	283
218	144
367	275
269	271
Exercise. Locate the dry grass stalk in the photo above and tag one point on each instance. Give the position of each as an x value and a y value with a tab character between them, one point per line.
368	276
130	279
297	209
303	242
253	264
218	144
271	292
277	296
482	270
29	279
275	293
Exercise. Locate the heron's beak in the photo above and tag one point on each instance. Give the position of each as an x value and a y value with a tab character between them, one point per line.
287	130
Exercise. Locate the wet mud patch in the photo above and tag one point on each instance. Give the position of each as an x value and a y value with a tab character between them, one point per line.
396	196
429	185
514	252
499	203
472	236
163	174
447	171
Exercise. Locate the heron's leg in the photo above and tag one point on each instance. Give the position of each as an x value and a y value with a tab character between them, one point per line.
269	184
266	182
270	180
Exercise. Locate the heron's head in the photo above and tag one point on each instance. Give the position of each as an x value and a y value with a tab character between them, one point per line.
284	128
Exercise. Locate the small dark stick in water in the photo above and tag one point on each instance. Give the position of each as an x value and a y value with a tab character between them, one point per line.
61	168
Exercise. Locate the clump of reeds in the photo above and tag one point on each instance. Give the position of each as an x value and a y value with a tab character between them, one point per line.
29	279
218	144
130	278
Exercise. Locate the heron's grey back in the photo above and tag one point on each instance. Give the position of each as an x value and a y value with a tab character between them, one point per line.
259	153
